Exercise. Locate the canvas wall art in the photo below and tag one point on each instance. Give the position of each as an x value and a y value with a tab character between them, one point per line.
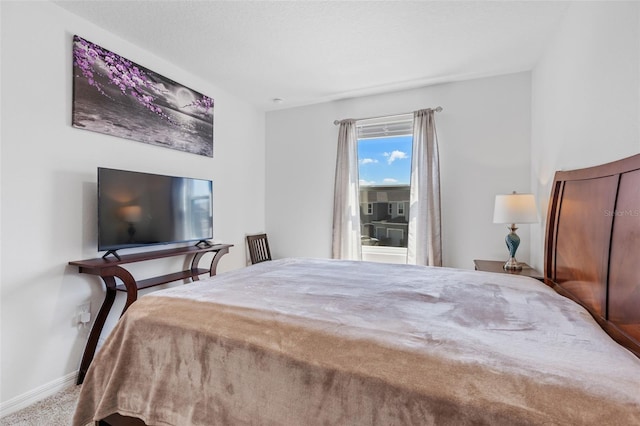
115	96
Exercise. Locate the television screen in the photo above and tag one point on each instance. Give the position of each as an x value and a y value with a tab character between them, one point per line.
138	209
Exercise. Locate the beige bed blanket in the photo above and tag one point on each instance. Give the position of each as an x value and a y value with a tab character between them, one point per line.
327	342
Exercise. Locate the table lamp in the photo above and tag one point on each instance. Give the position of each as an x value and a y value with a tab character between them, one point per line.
511	209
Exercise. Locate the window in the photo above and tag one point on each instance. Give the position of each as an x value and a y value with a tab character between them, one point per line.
384	167
383	143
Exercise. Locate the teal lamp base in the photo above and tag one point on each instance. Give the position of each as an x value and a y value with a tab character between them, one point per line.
513	241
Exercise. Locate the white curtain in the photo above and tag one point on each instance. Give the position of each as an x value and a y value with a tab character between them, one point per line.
346	205
424	243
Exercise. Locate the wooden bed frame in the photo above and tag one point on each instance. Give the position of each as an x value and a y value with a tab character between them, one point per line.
592	249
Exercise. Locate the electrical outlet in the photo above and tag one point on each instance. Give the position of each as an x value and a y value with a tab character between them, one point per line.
83	313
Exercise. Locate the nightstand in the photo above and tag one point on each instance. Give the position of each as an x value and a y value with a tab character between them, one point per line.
497	266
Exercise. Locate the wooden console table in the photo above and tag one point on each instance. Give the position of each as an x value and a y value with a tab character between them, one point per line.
110	268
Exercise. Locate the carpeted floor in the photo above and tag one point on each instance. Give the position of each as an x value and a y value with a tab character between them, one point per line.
56	410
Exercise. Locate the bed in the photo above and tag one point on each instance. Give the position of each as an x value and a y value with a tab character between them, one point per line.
329	342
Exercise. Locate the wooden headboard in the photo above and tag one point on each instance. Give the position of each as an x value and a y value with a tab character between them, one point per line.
592	247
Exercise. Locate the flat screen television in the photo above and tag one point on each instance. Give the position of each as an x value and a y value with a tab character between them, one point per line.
138	209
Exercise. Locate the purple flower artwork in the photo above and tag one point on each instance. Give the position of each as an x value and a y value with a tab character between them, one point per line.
115	96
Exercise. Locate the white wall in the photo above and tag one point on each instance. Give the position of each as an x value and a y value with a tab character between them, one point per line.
484	139
585	97
49	188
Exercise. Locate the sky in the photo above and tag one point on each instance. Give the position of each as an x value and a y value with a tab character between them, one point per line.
385	161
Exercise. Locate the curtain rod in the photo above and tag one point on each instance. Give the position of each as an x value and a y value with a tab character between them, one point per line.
436	109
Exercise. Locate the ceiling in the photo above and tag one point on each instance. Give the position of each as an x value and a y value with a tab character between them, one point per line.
306	52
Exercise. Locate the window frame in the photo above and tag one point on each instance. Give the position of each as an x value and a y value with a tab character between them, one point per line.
378	128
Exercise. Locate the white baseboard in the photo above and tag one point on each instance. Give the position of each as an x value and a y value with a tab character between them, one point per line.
22	401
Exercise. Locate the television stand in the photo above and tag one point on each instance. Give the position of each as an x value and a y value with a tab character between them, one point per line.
111	268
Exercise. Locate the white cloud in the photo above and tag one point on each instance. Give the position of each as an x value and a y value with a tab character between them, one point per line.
367	182
395	155
368	161
390	180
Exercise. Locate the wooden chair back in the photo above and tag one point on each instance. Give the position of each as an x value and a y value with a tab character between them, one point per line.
258	248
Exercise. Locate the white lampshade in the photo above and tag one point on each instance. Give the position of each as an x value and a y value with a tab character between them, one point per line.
515	208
